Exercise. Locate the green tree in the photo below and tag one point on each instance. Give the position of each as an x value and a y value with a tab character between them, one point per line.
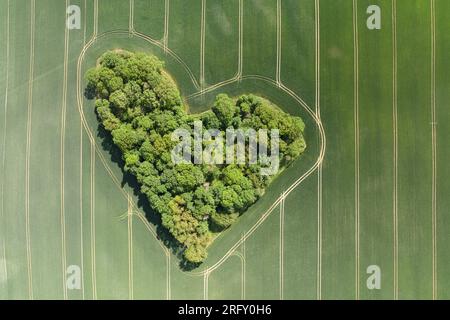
223	220
195	254
224	109
140	106
119	100
126	138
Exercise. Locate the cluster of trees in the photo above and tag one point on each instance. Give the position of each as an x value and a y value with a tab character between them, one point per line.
140	105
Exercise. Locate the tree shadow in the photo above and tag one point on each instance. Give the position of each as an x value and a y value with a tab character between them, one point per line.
89	92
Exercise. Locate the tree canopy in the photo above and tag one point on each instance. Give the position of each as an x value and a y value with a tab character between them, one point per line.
140	106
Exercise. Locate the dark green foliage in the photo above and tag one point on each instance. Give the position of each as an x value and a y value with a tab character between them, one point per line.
140	105
224	108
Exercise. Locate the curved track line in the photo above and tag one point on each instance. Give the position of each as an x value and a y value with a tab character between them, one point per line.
206	285
268	80
241	256
81	179
169	51
295	184
89	132
92	139
242	259
290	188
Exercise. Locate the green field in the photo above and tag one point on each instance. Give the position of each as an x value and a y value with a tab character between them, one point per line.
371	189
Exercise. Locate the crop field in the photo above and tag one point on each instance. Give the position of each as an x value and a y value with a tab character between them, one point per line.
372	188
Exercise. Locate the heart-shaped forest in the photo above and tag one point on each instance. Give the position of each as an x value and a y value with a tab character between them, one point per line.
191	167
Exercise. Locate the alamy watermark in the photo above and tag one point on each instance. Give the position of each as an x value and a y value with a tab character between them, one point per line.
73	279
207	147
374	280
73	20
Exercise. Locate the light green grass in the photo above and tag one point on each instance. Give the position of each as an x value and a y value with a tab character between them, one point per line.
226	282
149	18
44	157
414	93
113	15
376	150
72	161
300	242
111	253
298	47
86	200
184	32
260	38
337	110
262	261
14	173
149	275
88	27
443	130
222	40
262	248
3	125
